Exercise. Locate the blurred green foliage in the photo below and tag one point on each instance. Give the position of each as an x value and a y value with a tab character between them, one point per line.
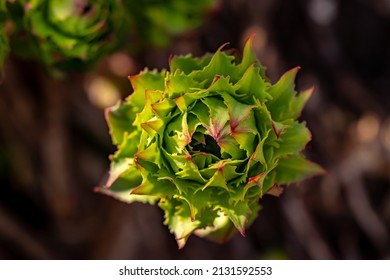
3	38
74	34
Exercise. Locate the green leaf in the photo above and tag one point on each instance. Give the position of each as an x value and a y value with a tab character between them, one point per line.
249	58
230	146
187	64
146	80
128	147
201	111
238	213
154	186
150	157
198	201
124	168
185	167
219	117
220	65
253	85
255	181
178	219
151	96
299	102
222	85
294	139
163	108
124	178
282	95
221	231
237	111
296	168
187	101
178	84
123	195
258	154
120	118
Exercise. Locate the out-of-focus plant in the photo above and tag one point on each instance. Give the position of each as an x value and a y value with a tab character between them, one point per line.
4	48
158	20
74	34
207	140
68	33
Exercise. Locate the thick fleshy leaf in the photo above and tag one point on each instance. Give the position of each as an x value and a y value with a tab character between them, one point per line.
187	101
124	168
249	58
299	102
163	108
128	146
237	112
294	139
179	84
238	213
221	231
219	117
282	95
156	187
146	80
125	177
178	219
198	200
231	148
221	85
220	65
120	118
150	97
123	195
188	64
253	85
296	168
258	154
185	168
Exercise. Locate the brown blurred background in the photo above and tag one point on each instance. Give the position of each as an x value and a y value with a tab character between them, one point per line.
54	143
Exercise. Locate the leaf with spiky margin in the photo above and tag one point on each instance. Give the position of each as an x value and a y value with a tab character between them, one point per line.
295	168
208	140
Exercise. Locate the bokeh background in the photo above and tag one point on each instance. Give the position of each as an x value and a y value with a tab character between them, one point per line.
54	142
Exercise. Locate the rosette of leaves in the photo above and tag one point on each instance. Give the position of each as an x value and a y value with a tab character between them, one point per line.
69	34
207	140
74	34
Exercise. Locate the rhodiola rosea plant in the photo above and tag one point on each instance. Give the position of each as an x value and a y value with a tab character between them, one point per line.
206	140
75	34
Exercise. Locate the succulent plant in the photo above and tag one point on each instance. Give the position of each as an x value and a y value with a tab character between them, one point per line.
74	34
67	33
207	140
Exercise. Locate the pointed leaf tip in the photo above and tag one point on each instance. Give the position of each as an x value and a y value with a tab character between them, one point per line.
275	190
250	39
223	46
296	168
